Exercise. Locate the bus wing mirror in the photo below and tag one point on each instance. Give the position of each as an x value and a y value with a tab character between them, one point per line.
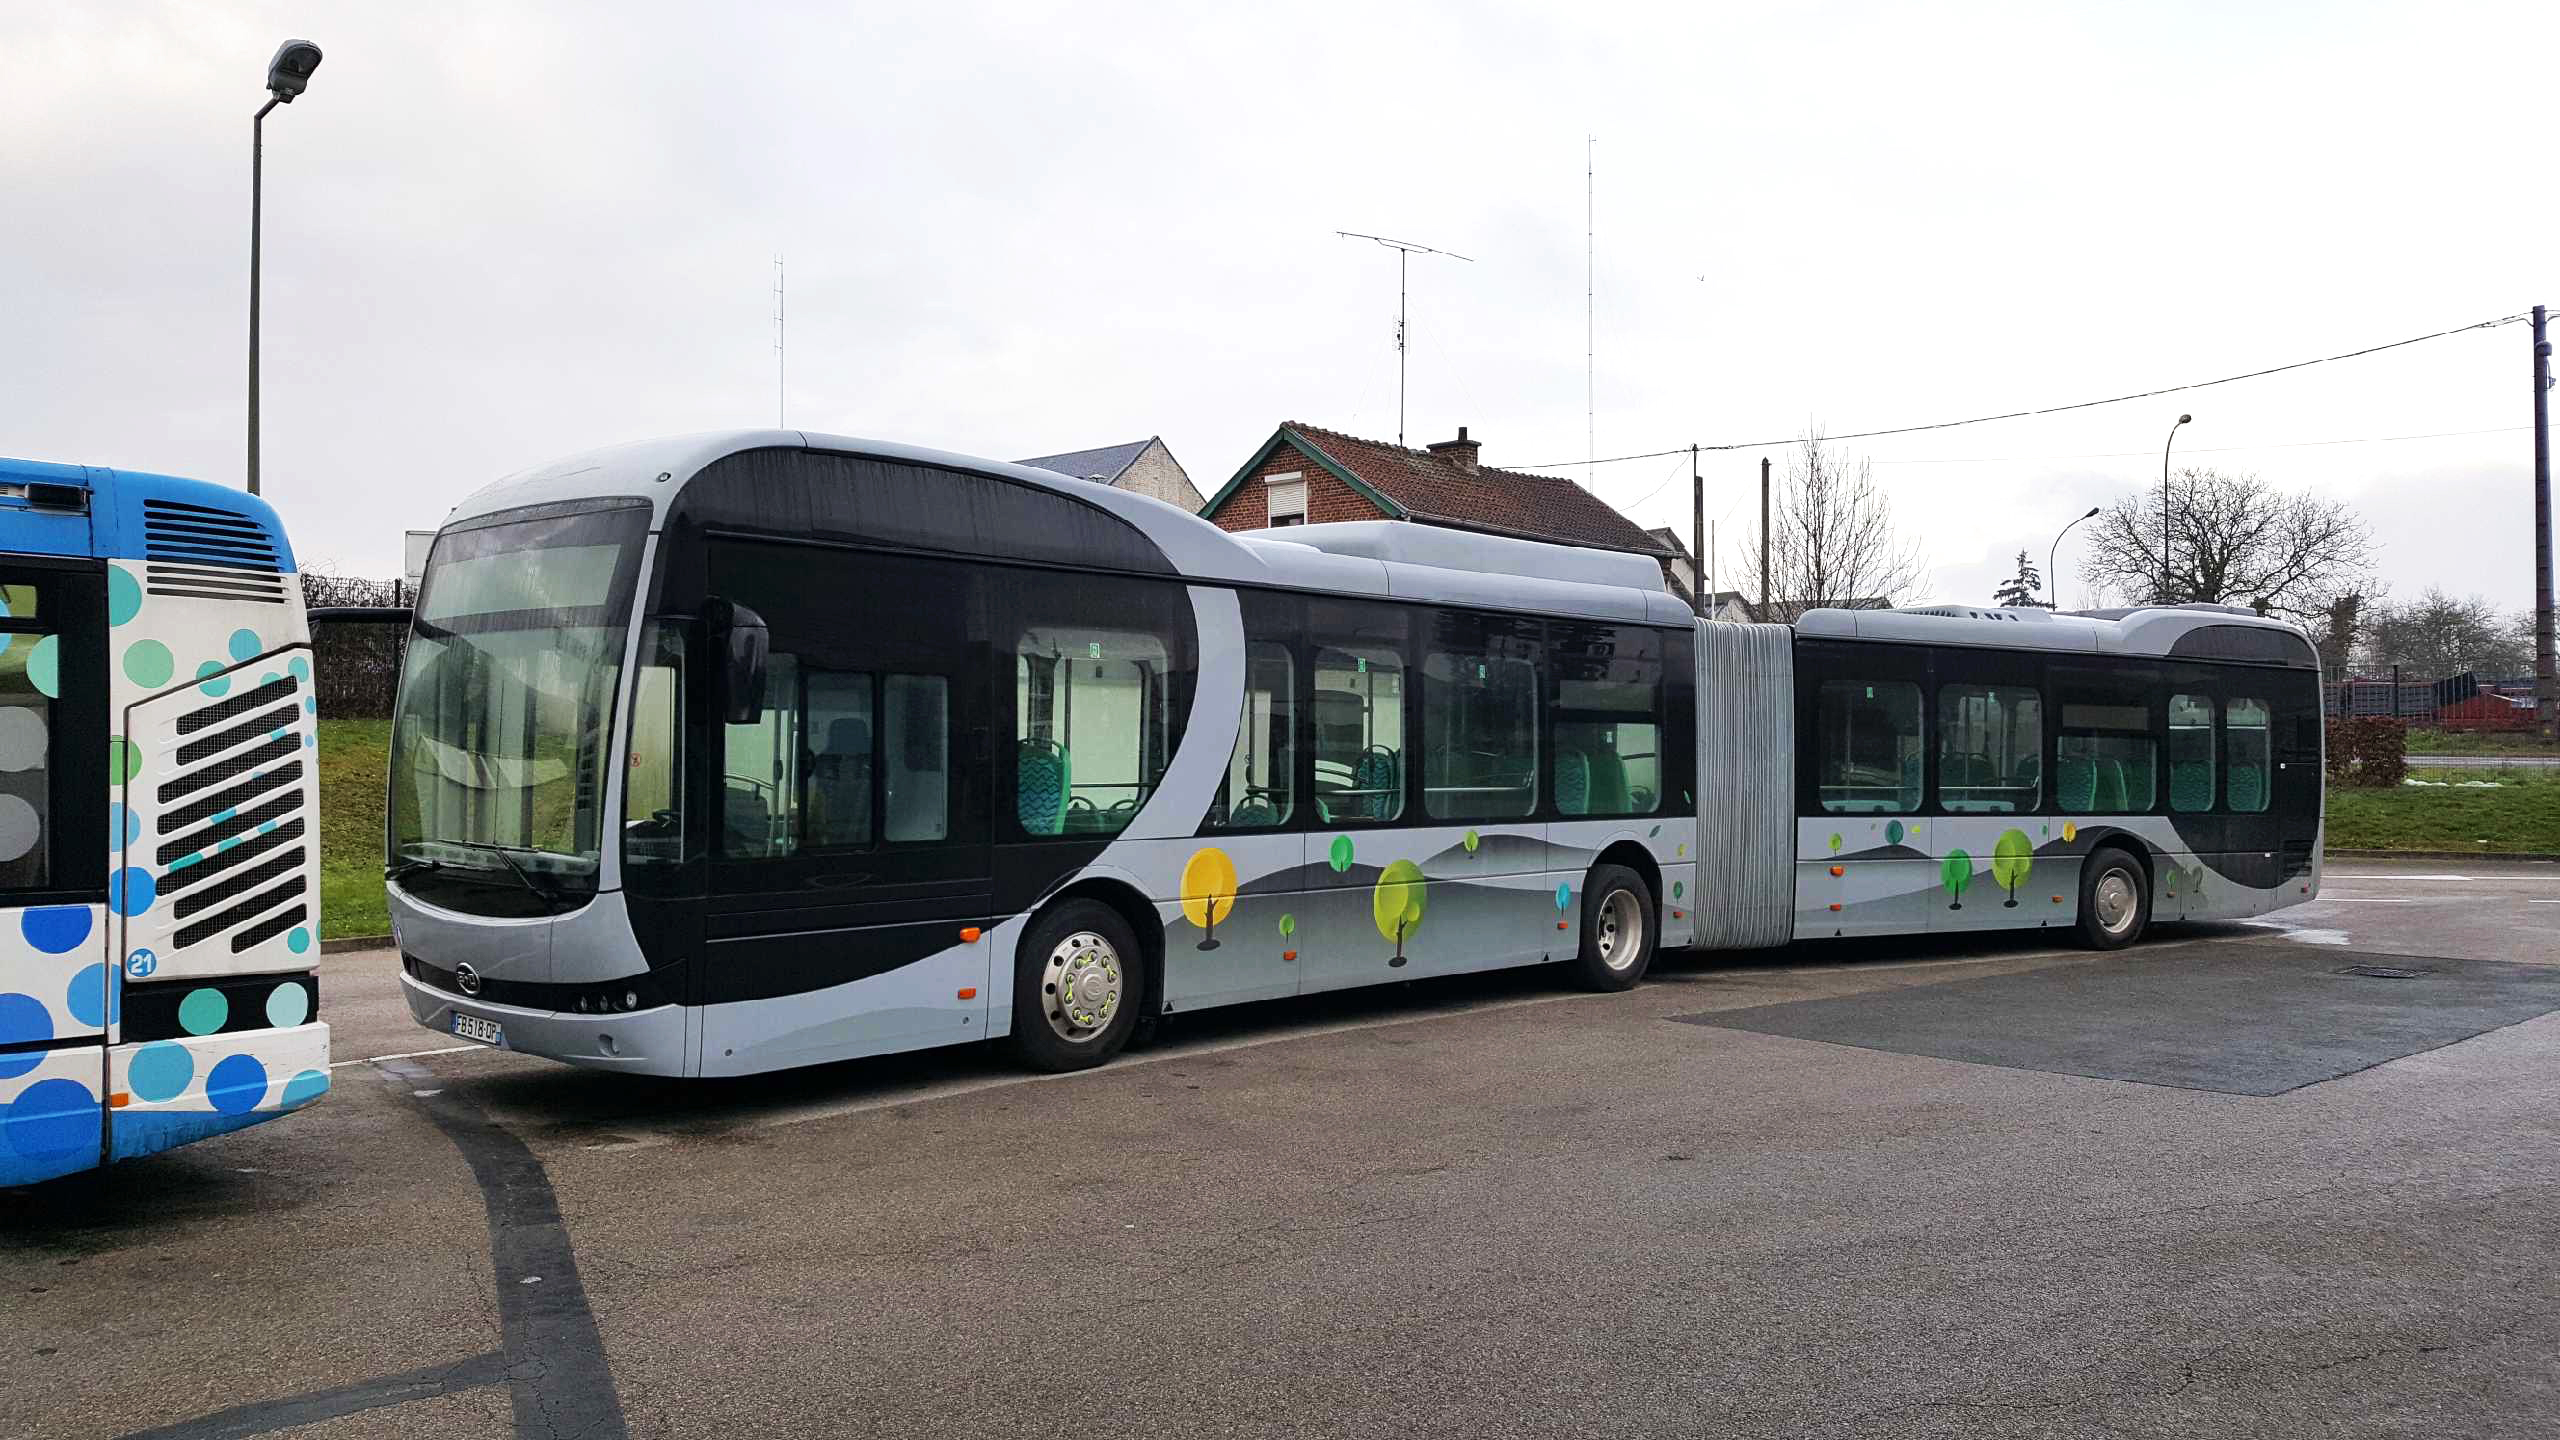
744	641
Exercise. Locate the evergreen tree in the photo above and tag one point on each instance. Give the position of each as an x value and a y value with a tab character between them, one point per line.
2021	589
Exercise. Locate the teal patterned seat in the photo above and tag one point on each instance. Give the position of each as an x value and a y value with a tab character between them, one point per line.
2111	786
1254	815
1573	783
1378	770
1040	787
2191	787
2075	784
2248	789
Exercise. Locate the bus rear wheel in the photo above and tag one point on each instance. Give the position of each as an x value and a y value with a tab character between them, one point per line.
1618	932
2115	900
1079	981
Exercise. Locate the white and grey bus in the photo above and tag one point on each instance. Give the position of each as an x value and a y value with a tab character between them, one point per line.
732	753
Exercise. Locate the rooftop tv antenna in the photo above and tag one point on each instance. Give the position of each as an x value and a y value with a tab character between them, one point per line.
1405	250
778	422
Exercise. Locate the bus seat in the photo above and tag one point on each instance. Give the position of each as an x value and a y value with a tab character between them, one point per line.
1378	770
2075	784
1608	784
747	820
1254	815
2191	786
840	785
1573	783
2111	786
2248	789
1040	787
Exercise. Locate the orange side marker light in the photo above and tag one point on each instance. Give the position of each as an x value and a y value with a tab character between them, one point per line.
1559	924
1288	954
119	1100
1839	869
969	992
969	934
1835	904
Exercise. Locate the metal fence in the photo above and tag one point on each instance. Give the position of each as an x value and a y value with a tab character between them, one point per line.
356	667
2455	702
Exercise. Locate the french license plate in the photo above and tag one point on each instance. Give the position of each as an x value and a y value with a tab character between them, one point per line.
472	1027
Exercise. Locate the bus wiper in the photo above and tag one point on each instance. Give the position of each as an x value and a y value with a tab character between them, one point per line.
542	892
407	868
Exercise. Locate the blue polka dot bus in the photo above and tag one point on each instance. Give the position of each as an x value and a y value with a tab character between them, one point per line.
159	856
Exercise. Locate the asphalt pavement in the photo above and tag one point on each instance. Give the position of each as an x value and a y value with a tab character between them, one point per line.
1784	1194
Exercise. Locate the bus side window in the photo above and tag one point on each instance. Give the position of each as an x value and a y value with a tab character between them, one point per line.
1990	749
1608	720
1256	793
653	788
30	682
2106	751
2190	753
1359	704
2250	731
1480	698
1870	738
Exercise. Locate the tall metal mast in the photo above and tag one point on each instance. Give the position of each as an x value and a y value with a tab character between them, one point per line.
1405	249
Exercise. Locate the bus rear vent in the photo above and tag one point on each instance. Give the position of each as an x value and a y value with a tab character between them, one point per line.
188	539
234	849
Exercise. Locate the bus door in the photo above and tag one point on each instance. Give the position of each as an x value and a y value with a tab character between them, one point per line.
58	986
2271	773
849	863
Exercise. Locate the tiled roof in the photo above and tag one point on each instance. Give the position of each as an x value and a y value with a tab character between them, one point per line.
1670	539
1105	463
1433	488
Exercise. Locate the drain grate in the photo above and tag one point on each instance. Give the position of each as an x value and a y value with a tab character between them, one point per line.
2386	972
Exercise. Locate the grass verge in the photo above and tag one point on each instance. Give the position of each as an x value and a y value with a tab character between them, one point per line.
2522	813
2473	742
355	758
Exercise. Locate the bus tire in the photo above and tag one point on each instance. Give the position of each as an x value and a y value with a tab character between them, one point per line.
2115	900
1079	983
1619	929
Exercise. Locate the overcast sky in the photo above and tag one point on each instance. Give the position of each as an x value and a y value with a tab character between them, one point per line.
497	234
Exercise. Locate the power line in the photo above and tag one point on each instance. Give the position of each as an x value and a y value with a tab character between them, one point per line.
2203	450
2056	409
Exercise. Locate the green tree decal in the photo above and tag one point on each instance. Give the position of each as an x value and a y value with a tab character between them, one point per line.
1893	832
1340	855
1471	840
1396	904
2012	856
1955	873
1835	842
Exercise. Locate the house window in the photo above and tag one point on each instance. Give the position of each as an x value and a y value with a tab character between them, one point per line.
1285	497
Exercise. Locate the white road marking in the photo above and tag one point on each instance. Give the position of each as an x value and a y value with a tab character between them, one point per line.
403	1055
2542	902
2372	875
2368	900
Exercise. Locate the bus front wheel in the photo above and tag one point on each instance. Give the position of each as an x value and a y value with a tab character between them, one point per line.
2115	900
1617	929
1079	981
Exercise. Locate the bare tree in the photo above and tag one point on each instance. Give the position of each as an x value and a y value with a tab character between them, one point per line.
2336	631
2437	635
1832	541
2234	540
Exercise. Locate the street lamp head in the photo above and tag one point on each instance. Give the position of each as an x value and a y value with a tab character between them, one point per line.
2184	419
289	74
2093	510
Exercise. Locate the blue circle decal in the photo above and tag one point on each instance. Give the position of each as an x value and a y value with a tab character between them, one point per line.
215	682
123	825
298	940
23	1021
244	644
161	1070
298	667
92	996
237	1084
51	1119
288	1005
306	1087
131	890
55	929
124	595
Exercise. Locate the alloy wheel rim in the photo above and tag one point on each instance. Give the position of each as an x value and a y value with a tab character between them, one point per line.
2115	902
1081	987
1621	937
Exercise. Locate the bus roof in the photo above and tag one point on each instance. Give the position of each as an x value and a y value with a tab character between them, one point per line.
2215	632
91	510
1385	559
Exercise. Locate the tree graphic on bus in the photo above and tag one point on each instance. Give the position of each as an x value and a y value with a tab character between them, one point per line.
2012	856
1955	874
1396	904
1208	892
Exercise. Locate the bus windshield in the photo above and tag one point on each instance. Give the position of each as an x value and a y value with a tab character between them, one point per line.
506	703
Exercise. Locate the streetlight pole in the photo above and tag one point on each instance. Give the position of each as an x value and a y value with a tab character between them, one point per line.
2164	507
288	74
2054	549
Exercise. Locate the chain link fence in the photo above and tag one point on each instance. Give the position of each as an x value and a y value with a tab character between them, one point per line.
356	665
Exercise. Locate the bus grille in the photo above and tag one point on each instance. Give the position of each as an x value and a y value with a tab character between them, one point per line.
232	849
176	533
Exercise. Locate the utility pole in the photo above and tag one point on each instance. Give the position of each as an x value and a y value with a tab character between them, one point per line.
1405	250
1590	325
1697	534
2546	682
778	357
1764	537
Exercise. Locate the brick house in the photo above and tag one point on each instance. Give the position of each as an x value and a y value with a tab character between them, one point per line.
1305	475
1145	466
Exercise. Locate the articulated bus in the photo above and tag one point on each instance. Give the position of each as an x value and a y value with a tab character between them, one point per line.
159	856
732	753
